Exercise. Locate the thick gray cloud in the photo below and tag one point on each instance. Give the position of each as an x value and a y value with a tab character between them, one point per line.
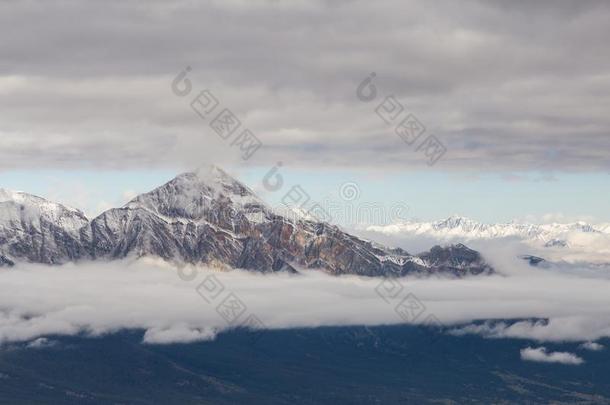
502	85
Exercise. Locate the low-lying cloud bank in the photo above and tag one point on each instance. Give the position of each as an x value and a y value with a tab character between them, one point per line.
541	355
98	298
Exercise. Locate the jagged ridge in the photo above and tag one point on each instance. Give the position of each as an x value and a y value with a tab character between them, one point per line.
457	227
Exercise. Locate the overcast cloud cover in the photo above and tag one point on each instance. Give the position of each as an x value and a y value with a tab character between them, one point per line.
504	85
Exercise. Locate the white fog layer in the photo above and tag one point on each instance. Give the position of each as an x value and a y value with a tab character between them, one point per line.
98	298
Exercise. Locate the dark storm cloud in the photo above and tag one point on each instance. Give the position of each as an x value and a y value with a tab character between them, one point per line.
503	85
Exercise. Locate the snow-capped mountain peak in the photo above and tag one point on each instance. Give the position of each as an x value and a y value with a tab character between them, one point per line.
456	221
192	195
19	206
38	230
457	228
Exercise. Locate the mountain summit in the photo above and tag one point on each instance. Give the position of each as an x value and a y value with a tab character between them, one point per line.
207	217
36	230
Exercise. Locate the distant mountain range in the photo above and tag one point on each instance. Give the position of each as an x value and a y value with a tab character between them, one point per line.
207	217
461	228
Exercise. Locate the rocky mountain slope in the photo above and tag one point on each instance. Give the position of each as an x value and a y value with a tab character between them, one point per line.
37	230
208	217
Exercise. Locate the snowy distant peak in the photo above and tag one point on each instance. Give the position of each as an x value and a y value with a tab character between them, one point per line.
37	230
584	227
20	197
17	206
458	227
456	221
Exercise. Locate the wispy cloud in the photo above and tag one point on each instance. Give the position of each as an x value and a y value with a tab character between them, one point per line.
593	346
541	355
41	343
